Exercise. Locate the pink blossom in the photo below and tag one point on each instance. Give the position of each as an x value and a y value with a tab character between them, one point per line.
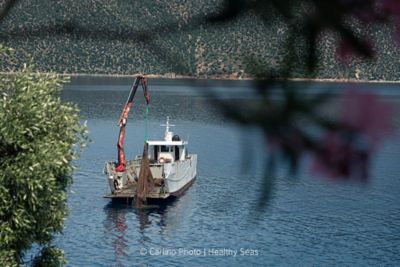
345	152
390	6
367	114
339	158
392	9
345	51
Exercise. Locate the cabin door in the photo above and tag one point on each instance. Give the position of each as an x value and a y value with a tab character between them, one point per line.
176	153
155	153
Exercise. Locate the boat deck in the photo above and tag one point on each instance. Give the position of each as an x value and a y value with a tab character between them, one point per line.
130	192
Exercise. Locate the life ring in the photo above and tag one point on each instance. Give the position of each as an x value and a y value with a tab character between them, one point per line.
161	160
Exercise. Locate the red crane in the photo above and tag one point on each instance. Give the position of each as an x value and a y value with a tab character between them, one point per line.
123	119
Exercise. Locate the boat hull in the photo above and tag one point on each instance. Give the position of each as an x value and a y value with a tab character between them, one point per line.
171	180
152	200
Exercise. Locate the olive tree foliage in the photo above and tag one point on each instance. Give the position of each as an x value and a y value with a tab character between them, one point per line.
40	136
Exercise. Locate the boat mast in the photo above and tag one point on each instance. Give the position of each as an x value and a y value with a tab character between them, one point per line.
167	134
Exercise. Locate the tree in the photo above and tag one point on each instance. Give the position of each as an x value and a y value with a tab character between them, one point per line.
40	136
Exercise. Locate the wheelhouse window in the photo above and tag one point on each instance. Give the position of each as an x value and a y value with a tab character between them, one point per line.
164	149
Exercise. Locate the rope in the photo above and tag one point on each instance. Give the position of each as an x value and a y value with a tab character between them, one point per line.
146	115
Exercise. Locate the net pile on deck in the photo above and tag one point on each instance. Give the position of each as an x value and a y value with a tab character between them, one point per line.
146	182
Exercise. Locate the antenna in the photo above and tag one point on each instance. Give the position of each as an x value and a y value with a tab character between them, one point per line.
167	125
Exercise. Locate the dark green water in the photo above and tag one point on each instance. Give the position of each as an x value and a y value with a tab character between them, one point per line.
309	222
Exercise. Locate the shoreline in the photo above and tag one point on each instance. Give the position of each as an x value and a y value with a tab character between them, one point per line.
223	78
76	77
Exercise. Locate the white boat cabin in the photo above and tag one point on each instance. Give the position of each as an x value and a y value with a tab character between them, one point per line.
170	150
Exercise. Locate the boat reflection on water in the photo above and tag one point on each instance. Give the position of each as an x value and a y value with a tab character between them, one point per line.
115	226
128	230
121	228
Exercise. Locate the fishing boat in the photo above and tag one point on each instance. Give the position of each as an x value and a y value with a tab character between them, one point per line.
163	171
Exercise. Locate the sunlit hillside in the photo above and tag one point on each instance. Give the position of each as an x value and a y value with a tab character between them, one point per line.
168	38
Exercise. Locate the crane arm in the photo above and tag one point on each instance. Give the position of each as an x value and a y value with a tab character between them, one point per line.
123	119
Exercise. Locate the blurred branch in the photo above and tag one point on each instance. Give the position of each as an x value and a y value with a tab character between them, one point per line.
6	8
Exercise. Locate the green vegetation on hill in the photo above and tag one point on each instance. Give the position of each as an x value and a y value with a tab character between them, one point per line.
153	37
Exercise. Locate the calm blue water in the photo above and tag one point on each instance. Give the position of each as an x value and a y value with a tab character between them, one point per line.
309	221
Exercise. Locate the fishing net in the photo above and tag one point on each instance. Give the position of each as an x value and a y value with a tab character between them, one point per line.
146	182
